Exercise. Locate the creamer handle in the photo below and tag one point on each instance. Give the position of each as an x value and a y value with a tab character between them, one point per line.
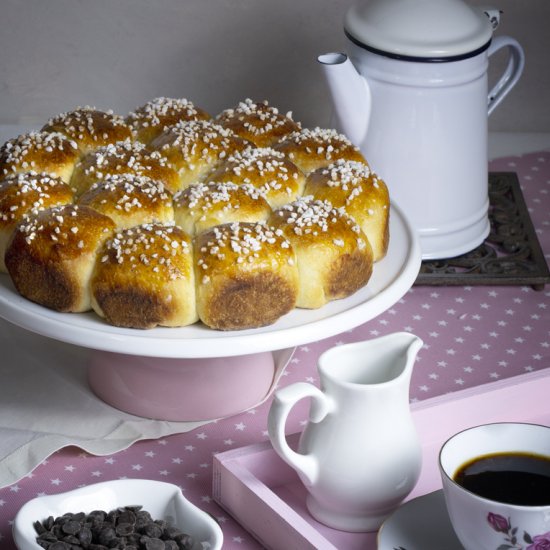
283	401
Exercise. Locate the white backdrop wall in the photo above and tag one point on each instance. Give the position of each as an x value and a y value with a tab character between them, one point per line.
58	54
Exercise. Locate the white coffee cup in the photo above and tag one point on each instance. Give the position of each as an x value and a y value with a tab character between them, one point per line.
481	523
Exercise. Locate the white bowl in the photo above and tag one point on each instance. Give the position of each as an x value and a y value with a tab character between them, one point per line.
161	500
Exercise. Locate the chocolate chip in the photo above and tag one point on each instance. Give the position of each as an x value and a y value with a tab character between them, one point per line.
154	544
127	528
71	527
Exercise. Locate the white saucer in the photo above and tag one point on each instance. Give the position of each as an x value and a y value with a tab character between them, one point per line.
420	524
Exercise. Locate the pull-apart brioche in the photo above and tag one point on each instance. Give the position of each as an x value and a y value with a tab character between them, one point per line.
202	206
246	274
89	127
168	216
149	120
130	200
313	148
52	254
144	278
361	193
123	157
50	152
268	170
334	255
23	194
258	122
195	148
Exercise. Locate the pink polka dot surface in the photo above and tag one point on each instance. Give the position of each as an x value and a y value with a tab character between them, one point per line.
472	335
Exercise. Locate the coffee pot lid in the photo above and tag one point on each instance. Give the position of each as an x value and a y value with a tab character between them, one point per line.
431	30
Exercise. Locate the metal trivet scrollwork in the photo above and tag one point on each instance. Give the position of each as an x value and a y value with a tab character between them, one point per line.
511	254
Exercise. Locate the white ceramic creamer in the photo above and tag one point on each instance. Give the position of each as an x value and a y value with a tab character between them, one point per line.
412	93
359	455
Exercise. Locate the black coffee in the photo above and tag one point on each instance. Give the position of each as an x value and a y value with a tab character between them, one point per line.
512	478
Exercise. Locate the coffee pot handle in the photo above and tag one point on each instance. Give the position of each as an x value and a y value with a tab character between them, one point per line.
305	464
514	68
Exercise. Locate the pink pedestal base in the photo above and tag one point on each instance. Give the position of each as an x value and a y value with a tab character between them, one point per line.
183	389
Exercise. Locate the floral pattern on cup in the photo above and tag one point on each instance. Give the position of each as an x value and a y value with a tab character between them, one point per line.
503	525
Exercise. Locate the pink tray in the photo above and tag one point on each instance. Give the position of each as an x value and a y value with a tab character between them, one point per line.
265	495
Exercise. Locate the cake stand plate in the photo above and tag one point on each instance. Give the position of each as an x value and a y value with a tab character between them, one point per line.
169	362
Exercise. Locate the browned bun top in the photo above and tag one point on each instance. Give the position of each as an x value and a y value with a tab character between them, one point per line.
158	252
204	205
246	275
145	278
258	122
123	157
152	118
51	152
312	221
28	192
277	177
64	232
240	246
195	148
313	148
176	216
52	253
89	127
25	193
130	200
334	255
353	187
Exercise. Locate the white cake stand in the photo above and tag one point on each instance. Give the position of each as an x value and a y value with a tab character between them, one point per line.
196	373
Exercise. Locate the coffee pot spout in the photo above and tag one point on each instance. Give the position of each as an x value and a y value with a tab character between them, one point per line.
350	93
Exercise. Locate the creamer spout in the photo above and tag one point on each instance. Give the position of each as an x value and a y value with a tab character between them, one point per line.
350	95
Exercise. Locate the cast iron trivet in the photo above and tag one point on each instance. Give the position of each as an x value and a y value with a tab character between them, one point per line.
511	254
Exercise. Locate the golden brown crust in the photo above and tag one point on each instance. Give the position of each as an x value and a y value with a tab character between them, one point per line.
51	255
123	157
258	122
334	256
51	152
279	179
89	127
22	194
238	181
144	278
246	276
149	120
130	200
195	148
361	193
314	148
204	205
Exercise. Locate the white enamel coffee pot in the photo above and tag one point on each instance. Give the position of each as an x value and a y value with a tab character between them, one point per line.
412	93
